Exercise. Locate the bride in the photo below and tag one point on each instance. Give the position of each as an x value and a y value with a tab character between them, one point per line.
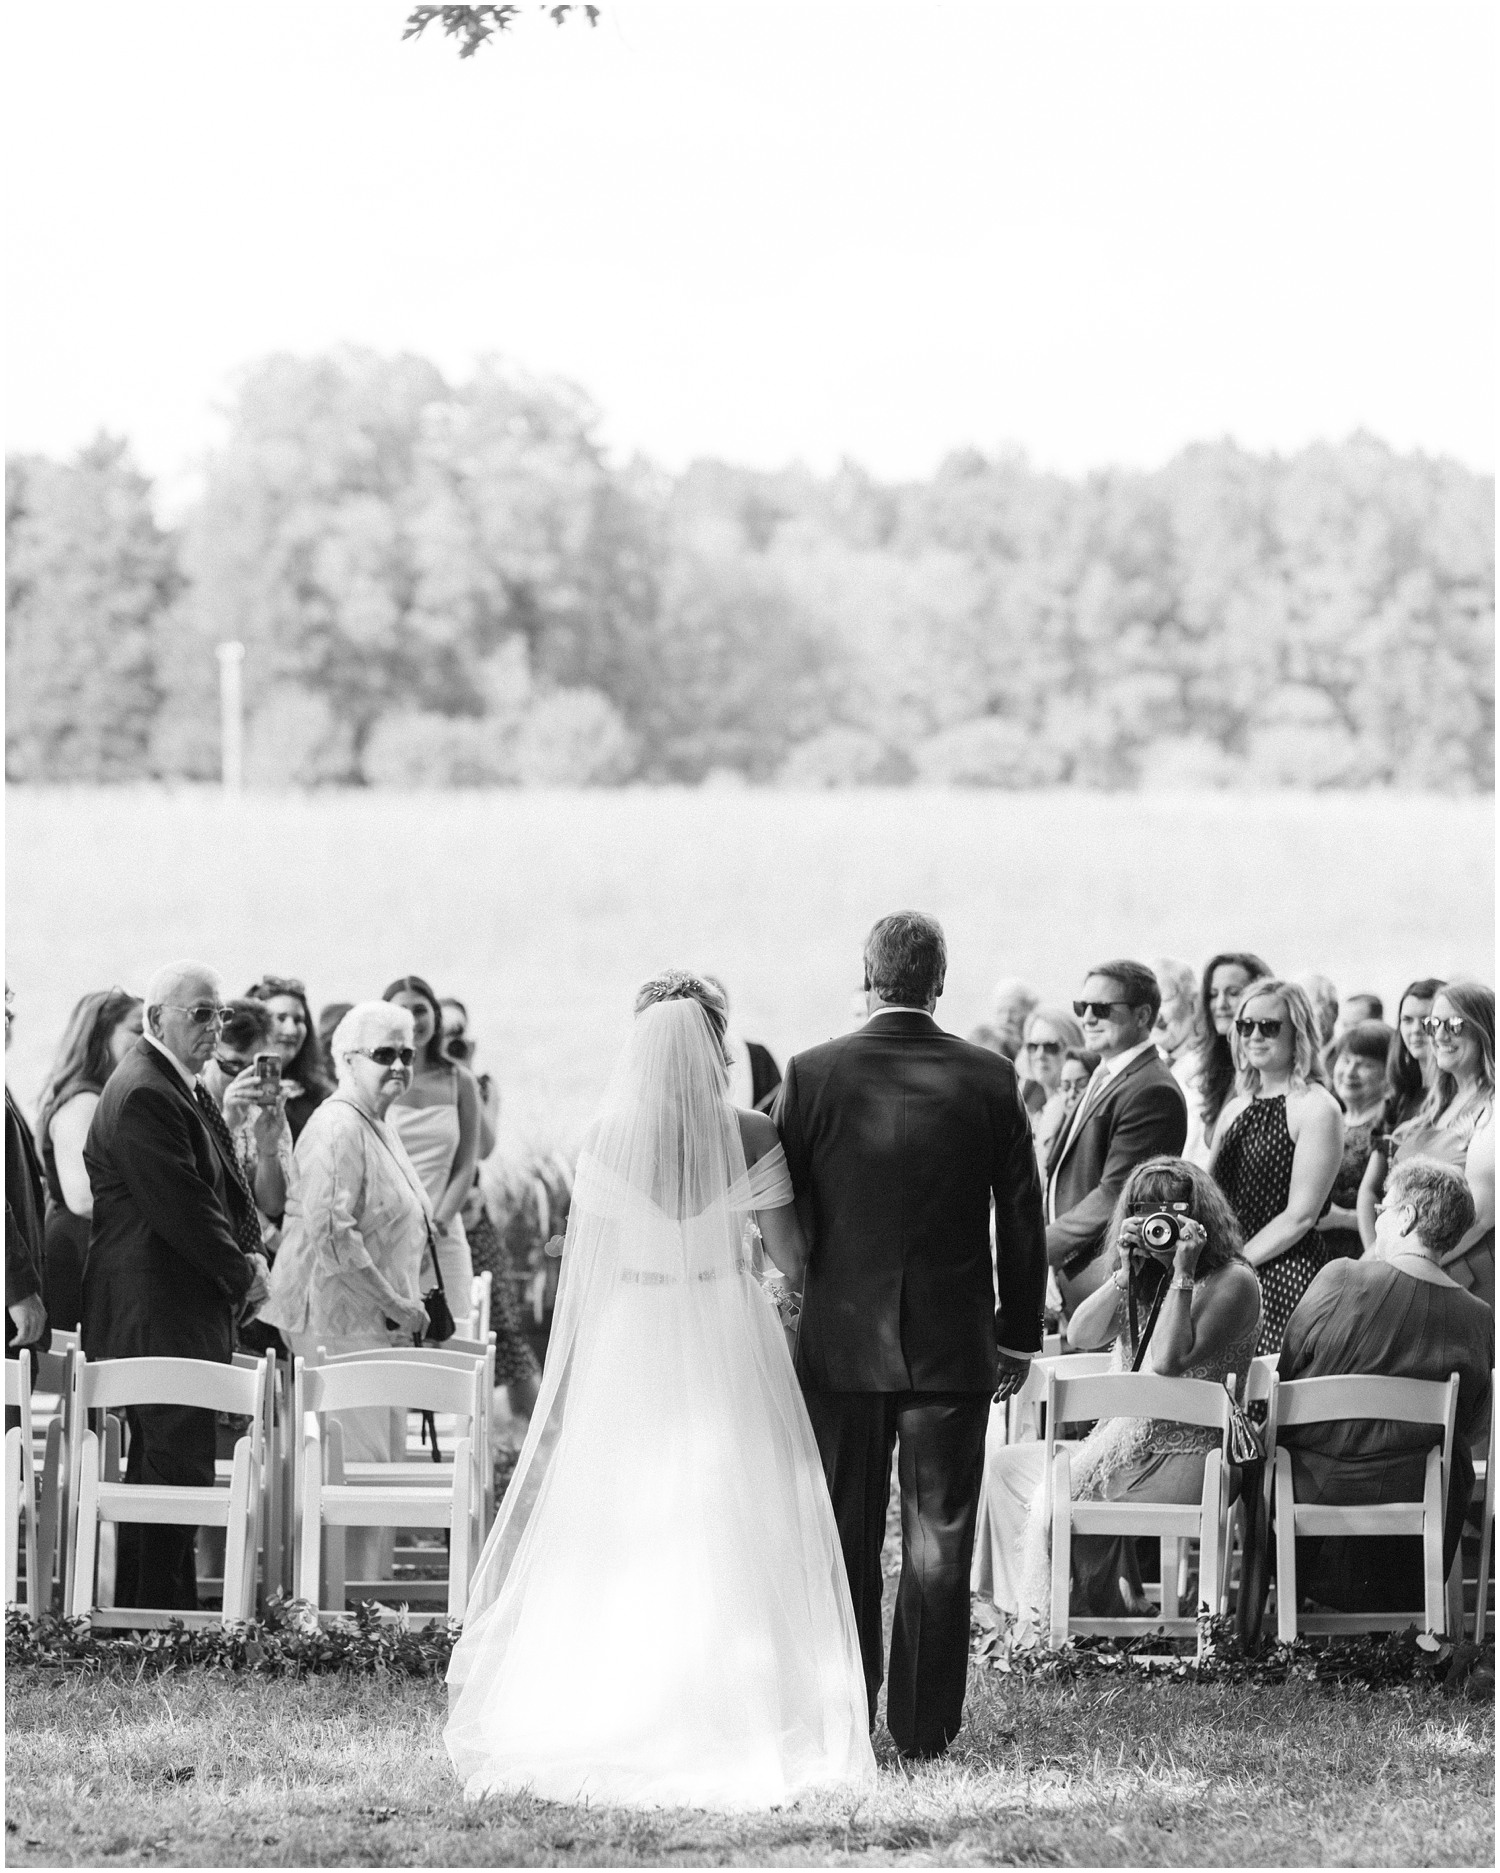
661	1614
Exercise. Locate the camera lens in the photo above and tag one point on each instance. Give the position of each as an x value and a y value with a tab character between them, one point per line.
1160	1231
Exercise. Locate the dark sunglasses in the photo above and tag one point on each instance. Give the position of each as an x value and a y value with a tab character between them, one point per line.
1099	1010
1044	1047
202	1013
1267	1030
1440	1025
388	1056
232	1068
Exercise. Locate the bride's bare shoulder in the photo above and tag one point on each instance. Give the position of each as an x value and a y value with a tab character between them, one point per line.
757	1134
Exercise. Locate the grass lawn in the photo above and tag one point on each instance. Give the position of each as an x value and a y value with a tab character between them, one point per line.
204	1769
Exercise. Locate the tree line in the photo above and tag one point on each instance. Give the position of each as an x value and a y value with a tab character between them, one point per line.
451	584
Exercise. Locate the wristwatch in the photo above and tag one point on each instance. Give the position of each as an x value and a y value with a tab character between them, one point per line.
1182	1283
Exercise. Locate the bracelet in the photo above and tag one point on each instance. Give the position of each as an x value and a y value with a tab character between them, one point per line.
1181	1284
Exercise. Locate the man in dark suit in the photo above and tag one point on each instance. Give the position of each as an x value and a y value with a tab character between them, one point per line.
173	1255
25	1314
1131	1110
899	1136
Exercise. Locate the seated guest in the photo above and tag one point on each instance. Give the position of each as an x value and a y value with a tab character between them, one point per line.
1360	1055
358	1225
1410	1068
1356	1008
1205	1328
1456	1124
1225	979
255	1112
1278	1147
1132	1110
101	1030
25	1315
1050	1033
1397	1314
296	1039
753	1072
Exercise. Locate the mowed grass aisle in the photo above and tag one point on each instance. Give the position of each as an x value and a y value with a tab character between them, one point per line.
206	1770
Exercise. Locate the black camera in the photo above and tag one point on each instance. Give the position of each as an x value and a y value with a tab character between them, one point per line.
1161	1230
459	1048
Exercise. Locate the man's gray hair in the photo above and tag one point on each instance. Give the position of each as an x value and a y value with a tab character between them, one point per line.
1440	1200
367	1022
168	984
906	958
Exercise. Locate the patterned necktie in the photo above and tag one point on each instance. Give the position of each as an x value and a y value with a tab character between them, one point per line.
242	1212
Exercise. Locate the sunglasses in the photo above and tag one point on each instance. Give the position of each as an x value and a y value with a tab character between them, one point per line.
1442	1026
232	1069
1099	1010
202	1013
1044	1047
1267	1030
388	1056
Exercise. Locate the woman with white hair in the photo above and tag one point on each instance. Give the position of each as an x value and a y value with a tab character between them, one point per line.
358	1226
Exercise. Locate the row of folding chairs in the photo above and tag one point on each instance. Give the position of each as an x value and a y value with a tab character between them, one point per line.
1077	1388
284	1496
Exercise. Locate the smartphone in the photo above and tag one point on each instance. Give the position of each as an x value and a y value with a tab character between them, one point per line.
268	1069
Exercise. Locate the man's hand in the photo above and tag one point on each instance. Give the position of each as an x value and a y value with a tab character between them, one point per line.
1013	1373
30	1318
260	1286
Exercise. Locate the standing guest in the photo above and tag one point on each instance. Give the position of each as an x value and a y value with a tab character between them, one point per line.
1132	1109
1411	1066
1225	979
329	1016
753	1073
1278	1147
437	1119
459	1046
1454	1125
25	1315
898	1138
1005	1032
1179	1026
254	1109
1050	1033
358	1227
101	1030
1356	1008
1359	1061
1396	1313
296	1039
174	1255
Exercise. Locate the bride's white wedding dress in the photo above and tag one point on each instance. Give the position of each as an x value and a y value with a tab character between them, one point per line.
661	1614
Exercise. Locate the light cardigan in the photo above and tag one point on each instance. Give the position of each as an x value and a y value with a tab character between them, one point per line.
357	1205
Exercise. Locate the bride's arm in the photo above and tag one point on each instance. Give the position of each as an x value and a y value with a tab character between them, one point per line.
781	1237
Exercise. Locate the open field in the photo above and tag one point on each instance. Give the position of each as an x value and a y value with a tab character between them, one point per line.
207	1770
543	910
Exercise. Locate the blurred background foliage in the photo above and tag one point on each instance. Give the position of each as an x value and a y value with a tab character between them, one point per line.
444	584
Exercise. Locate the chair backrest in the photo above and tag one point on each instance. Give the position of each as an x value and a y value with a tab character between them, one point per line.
18	1390
1369	1395
1134	1395
444	1356
474	1348
54	1370
200	1382
409	1385
1260	1381
65	1340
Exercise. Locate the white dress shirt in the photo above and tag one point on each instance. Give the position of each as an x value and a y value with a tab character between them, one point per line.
190	1080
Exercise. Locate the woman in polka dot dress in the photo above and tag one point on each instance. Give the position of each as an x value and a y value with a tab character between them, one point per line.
1278	1146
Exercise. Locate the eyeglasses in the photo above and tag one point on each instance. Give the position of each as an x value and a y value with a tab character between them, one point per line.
1442	1026
388	1056
1044	1047
1267	1030
201	1014
1099	1010
1072	1088
231	1068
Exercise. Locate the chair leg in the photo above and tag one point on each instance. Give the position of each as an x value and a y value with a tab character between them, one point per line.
1169	1582
1482	1589
1062	1546
1432	1545
86	1539
13	1477
309	1530
49	1528
1210	1534
335	1546
1286	1551
461	1528
236	1528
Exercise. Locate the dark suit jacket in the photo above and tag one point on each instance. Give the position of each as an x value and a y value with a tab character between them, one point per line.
165	1272
765	1076
25	1208
897	1137
1140	1114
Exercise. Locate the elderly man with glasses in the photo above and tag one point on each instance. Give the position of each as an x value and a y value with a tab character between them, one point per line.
174	1255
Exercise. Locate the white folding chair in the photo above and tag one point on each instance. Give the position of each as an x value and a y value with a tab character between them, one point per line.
1336	1400
330	1501
101	1501
479	1318
1486	1528
1138	1395
20	1488
268	1506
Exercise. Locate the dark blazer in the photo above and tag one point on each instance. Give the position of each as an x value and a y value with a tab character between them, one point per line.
165	1272
24	1212
765	1076
1140	1114
897	1136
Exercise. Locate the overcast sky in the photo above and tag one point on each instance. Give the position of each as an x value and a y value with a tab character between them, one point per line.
765	231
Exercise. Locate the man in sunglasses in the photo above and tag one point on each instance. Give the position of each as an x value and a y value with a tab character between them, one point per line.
1131	1110
173	1255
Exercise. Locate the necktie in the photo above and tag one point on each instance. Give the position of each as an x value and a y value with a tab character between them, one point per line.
242	1205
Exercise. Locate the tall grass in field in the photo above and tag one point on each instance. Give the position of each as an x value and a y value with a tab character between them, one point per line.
542	910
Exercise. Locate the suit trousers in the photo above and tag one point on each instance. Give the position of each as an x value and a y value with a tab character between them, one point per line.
156	1565
940	1468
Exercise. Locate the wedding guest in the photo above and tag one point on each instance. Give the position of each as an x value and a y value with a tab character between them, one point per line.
254	1110
1278	1146
1225	979
1005	1032
295	1038
329	1016
1324	997
1410	1068
1206	1328
459	1046
1132	1110
1455	1125
1359	1084
25	1314
753	1073
174	1255
1398	1314
437	1119
1078	1068
1050	1034
102	1028
349	1275
1356	1008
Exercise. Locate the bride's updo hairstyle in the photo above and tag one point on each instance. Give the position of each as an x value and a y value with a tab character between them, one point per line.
678	985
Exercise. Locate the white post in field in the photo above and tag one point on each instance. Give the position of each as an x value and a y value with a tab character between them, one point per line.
231	717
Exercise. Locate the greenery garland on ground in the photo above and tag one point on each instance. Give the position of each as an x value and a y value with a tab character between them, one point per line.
291	1642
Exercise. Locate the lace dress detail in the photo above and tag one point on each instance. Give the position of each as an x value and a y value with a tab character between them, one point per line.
1254	1170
